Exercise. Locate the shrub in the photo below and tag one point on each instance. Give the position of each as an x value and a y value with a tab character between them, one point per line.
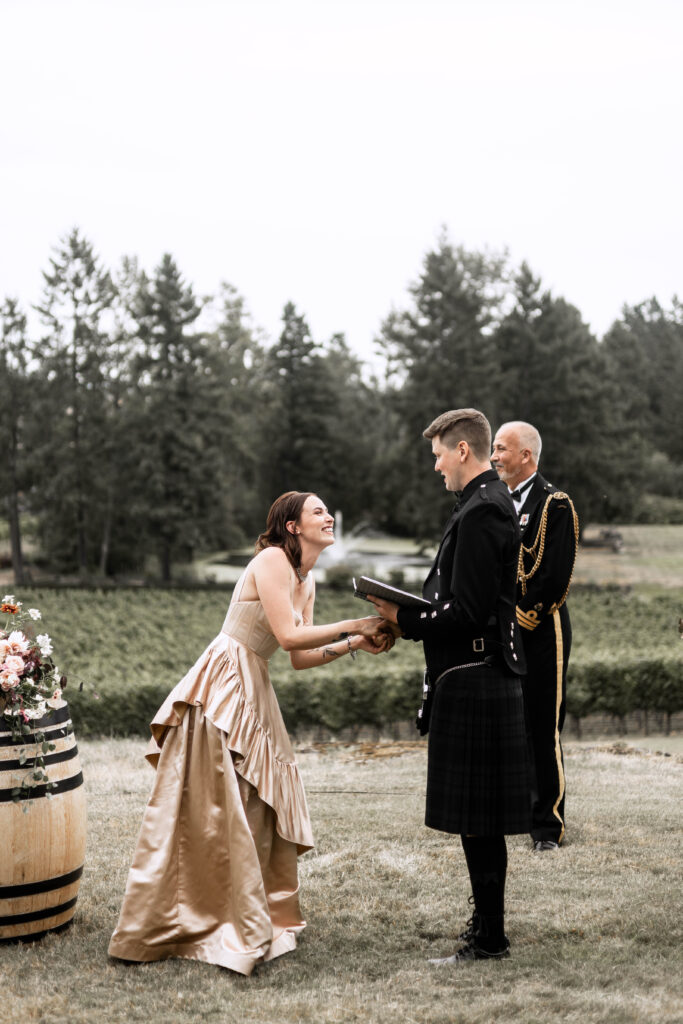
131	646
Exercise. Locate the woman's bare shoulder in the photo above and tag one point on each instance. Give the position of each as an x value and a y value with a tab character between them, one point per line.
272	558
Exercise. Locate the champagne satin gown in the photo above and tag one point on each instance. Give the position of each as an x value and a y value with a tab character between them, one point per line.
214	875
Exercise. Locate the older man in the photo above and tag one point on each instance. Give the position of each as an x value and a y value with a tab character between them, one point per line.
478	782
550	531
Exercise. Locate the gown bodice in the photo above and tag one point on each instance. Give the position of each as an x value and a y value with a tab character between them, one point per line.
246	622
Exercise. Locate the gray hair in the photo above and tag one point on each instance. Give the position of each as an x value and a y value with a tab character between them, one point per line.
529	437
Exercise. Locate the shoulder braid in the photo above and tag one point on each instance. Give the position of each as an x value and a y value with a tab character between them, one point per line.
538	547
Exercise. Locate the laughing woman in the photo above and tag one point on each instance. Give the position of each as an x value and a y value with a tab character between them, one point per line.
214	874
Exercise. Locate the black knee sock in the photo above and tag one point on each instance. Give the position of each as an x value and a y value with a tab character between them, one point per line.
486	858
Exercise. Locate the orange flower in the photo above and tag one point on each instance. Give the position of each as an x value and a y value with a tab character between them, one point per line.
9	609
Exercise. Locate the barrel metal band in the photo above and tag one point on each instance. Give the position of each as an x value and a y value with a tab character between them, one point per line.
38	915
63	786
15	892
64	755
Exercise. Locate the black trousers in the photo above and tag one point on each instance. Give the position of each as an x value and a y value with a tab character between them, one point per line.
547	651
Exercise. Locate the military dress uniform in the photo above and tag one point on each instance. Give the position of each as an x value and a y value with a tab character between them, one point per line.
478	779
550	530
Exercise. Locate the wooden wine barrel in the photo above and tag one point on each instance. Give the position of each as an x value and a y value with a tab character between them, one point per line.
42	849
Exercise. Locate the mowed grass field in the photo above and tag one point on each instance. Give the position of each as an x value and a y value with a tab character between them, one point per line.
595	928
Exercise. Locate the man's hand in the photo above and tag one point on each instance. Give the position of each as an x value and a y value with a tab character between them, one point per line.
387	609
377	644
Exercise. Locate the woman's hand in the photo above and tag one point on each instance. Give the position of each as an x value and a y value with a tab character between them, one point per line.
377	644
368	626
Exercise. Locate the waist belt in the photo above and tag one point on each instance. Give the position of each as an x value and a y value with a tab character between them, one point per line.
456	668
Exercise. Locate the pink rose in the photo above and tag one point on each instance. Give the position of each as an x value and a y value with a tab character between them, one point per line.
14	664
8	681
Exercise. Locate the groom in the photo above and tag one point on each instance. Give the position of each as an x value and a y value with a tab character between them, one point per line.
477	776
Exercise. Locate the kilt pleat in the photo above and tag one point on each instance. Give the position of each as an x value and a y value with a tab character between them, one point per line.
478	779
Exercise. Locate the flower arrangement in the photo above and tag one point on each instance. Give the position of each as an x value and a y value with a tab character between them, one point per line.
30	684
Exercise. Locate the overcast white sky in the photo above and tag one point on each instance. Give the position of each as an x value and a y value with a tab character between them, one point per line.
311	149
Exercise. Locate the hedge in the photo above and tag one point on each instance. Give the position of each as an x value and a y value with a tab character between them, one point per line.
379	695
128	648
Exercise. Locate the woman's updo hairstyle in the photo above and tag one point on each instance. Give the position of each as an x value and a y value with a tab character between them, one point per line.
283	510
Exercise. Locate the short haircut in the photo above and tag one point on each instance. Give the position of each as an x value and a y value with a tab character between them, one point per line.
528	436
457	425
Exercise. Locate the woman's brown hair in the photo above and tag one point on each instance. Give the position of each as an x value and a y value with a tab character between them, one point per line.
283	510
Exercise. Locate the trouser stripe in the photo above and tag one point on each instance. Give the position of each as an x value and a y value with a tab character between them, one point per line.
559	670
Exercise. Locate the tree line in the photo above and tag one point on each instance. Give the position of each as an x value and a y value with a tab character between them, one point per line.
144	420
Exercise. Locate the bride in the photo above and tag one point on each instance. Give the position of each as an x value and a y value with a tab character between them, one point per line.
214	874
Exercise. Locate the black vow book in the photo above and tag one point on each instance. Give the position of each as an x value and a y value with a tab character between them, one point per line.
366	587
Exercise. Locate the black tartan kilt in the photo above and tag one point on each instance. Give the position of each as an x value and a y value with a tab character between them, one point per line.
478	778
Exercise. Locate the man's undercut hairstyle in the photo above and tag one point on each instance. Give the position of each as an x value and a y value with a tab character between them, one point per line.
462	425
528	437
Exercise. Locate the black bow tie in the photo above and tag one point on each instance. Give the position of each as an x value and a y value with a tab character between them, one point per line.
516	495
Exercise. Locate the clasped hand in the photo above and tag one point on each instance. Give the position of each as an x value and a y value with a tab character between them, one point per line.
377	635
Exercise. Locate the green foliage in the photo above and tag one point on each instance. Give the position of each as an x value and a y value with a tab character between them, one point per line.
555	375
338	577
146	419
645	347
73	424
442	355
129	648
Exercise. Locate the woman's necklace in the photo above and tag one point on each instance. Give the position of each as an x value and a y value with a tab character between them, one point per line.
303	576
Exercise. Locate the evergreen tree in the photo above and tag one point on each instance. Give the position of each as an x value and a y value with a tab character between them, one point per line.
354	479
73	357
236	359
14	410
174	420
301	421
555	375
441	355
645	347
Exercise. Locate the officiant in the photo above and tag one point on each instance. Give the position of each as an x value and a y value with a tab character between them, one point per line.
478	774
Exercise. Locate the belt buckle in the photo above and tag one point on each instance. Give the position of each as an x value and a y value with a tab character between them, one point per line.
478	645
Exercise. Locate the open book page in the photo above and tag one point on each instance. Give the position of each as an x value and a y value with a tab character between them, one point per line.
365	586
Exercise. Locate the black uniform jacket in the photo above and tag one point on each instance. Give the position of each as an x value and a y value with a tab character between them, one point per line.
550	582
472	585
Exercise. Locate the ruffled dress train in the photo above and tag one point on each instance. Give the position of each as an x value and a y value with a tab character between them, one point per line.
214	874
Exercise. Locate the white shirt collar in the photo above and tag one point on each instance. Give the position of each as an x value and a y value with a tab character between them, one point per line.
524	485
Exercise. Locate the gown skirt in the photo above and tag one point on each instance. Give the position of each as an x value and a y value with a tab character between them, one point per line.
214	874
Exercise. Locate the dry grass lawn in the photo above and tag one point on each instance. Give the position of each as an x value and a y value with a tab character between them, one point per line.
595	928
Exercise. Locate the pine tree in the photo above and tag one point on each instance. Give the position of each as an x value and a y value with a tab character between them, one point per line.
555	375
300	423
440	356
73	357
173	420
14	410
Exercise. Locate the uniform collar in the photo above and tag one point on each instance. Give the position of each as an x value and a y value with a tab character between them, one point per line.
477	482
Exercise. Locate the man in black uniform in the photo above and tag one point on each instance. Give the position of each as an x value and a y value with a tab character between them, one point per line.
478	782
550	532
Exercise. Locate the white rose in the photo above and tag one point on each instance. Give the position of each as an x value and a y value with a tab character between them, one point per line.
45	644
35	614
17	642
